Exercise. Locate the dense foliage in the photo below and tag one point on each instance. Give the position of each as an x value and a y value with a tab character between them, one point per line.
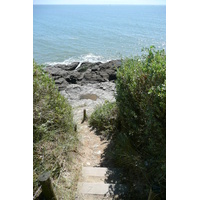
51	111
141	99
140	142
104	118
53	135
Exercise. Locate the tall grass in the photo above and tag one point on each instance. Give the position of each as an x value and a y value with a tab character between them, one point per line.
53	135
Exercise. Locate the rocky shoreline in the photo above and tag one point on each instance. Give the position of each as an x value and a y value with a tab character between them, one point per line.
86	84
83	73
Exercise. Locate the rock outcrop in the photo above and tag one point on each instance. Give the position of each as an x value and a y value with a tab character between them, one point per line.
85	73
86	85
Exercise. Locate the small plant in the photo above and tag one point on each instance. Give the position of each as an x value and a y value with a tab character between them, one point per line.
104	118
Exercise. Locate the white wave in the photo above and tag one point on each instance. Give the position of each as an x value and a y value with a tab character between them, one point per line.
83	58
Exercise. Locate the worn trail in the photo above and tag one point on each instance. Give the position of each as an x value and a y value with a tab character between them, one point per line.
94	182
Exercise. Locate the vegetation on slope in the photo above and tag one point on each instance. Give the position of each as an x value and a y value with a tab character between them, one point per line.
140	139
104	118
53	135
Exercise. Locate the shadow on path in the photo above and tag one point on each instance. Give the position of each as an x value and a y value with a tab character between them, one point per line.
122	188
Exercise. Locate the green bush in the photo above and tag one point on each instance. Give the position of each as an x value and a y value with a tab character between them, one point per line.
141	100
53	135
51	111
104	118
139	122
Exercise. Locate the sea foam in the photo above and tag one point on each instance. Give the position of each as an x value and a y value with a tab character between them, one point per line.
83	58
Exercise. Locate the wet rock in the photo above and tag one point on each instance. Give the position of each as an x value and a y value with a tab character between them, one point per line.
73	77
85	73
93	97
88	65
69	67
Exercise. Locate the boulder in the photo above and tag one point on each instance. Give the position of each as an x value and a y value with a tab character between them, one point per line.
69	67
111	64
55	71
104	75
73	77
60	81
86	73
88	65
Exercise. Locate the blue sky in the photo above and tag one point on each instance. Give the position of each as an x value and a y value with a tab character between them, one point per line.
134	2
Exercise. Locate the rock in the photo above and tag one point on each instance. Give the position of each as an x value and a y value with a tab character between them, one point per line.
95	68
69	67
73	77
113	64
88	163
56	71
62	87
104	75
87	76
88	96
65	67
87	65
56	77
98	152
95	146
87	73
84	66
59	81
112	76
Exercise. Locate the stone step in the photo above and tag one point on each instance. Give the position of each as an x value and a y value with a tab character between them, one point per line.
100	174
93	197
103	189
93	179
94	171
98	183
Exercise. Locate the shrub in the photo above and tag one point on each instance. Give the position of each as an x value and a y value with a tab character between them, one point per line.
53	135
141	100
139	121
51	111
104	118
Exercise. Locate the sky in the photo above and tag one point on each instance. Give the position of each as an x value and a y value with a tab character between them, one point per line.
133	2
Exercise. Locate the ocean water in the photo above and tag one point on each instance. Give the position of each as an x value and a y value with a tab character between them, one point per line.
68	33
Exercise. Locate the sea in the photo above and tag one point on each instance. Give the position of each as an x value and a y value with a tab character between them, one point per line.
63	34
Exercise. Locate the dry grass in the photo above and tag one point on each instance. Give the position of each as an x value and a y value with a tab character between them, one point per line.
54	138
58	155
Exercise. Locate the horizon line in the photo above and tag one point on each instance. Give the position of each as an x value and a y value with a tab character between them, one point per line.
105	4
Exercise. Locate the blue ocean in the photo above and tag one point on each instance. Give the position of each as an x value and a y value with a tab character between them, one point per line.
68	33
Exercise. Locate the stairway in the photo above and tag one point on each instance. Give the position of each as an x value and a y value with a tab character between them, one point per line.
98	183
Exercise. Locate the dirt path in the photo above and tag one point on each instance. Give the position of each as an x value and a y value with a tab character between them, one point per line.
91	149
92	146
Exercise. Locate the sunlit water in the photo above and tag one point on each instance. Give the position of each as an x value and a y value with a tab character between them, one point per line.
64	34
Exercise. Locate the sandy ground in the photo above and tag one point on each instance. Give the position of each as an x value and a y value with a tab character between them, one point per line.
92	146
